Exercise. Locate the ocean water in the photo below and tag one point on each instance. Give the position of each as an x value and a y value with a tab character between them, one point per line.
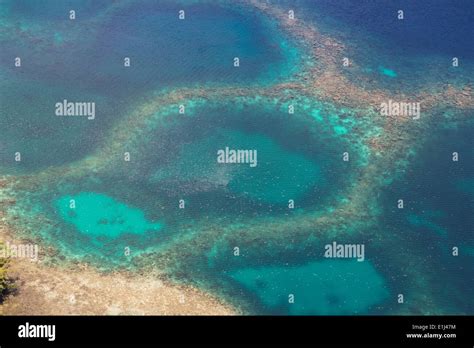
100	215
318	288
395	54
438	206
83	60
228	228
138	202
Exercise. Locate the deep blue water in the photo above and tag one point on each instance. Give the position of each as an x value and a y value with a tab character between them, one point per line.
429	27
83	60
418	49
438	208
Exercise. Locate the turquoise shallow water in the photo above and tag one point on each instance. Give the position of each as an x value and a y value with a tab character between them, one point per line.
271	180
98	216
322	288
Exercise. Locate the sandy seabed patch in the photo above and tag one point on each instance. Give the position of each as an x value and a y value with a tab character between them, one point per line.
44	290
83	290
